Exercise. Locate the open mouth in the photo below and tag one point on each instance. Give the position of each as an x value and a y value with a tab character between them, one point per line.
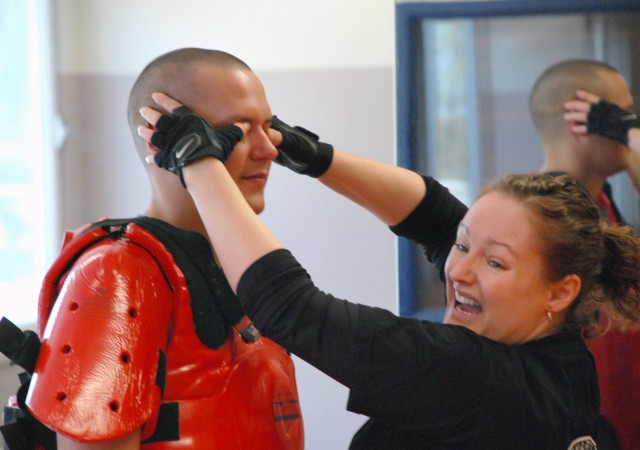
466	306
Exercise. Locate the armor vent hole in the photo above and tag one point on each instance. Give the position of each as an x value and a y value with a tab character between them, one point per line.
60	396
74	306
113	406
66	348
125	357
133	312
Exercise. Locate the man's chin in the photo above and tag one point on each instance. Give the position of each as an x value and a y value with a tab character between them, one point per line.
254	199
256	206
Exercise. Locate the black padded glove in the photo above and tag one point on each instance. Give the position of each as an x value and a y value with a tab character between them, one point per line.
611	121
185	137
301	151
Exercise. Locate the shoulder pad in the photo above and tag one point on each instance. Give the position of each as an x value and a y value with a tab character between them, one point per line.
95	378
74	242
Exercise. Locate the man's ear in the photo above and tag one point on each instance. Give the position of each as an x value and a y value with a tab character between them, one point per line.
563	293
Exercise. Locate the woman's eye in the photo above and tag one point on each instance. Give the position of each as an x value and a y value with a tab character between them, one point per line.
495	264
460	247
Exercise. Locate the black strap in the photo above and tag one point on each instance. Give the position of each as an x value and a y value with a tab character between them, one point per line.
16	434
168	426
22	431
21	347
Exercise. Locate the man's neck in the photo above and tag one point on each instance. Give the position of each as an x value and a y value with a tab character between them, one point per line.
592	183
182	218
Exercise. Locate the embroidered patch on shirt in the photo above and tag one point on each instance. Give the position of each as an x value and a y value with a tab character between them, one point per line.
583	443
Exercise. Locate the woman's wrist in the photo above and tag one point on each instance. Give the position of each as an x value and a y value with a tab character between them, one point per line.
202	170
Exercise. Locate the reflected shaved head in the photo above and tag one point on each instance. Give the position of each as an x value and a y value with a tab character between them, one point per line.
559	84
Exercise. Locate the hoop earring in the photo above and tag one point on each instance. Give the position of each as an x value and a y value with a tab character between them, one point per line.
550	316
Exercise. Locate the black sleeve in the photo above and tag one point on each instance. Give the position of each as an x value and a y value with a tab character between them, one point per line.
422	376
439	380
434	222
285	306
390	364
419	375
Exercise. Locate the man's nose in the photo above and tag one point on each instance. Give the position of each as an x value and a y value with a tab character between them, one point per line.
261	145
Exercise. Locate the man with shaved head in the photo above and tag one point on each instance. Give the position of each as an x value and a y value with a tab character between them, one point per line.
223	89
144	344
592	158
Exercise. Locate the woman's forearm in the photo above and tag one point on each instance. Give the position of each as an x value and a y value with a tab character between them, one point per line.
237	235
389	192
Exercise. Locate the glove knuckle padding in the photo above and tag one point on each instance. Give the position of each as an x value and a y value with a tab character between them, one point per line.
164	123
159	140
609	120
95	378
181	113
301	150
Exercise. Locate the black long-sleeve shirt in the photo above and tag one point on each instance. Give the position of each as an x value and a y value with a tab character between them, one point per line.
427	385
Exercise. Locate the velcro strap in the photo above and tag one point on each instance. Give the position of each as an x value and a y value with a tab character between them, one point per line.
21	347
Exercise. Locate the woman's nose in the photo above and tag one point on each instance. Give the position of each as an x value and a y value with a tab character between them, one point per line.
461	269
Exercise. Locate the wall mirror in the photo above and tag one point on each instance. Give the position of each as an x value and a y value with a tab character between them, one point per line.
464	72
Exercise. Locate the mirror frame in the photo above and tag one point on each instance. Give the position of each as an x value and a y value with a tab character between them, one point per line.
409	16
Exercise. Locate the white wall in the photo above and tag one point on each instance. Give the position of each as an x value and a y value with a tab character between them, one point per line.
326	64
120	36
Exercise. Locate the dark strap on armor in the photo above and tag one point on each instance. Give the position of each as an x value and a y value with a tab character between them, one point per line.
21	431
21	347
168	426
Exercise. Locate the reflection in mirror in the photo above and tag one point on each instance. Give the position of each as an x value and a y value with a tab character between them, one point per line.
463	117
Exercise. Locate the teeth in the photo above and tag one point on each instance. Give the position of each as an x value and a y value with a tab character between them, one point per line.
465	301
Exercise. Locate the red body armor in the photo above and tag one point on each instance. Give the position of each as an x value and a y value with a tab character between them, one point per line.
617	356
120	352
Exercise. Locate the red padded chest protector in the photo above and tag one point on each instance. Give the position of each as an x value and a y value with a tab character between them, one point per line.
111	312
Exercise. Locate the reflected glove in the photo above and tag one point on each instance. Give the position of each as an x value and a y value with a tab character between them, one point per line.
301	151
185	137
609	120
